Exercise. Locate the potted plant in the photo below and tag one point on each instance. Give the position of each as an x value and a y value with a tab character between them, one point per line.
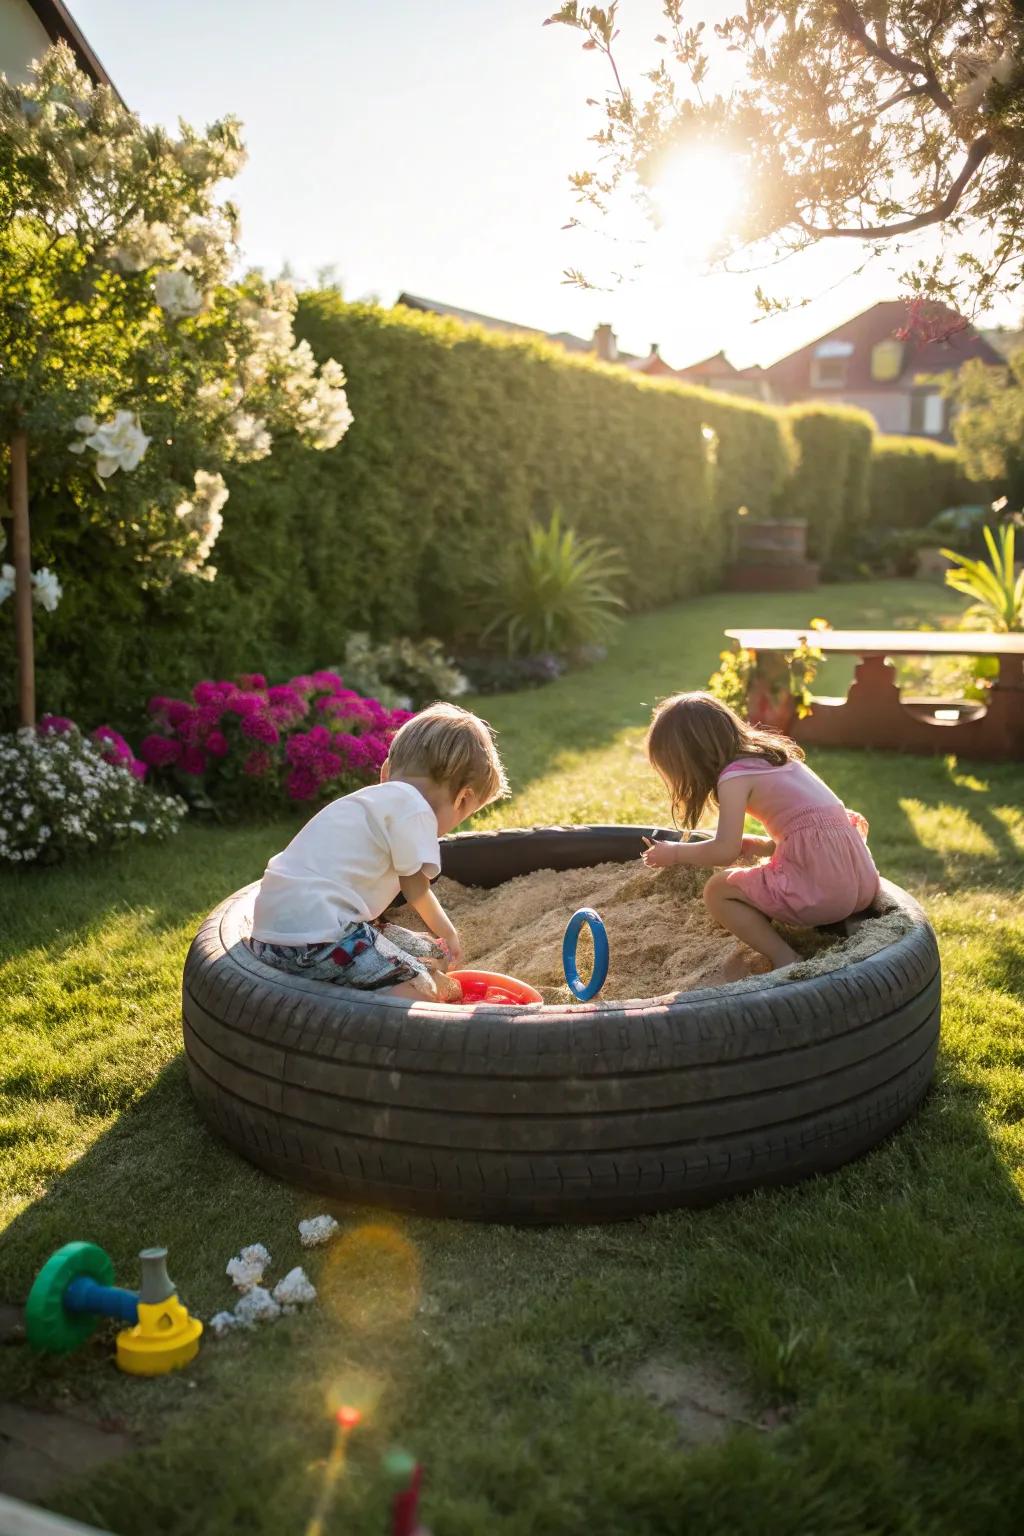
771	689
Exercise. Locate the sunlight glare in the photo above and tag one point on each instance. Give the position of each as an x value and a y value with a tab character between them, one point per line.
695	197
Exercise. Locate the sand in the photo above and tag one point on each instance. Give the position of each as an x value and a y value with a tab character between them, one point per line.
660	934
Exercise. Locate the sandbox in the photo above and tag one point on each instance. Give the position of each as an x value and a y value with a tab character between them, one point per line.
568	1112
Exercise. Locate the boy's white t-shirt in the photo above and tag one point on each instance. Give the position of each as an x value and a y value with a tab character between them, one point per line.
343	866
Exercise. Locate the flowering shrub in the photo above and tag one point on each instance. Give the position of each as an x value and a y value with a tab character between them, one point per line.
62	792
246	742
402	672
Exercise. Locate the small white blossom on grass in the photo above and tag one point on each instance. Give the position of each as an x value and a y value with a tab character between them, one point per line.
316	1230
256	1306
295	1290
222	1323
118	444
177	295
246	1268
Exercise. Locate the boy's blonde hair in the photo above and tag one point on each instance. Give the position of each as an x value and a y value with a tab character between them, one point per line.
693	736
452	747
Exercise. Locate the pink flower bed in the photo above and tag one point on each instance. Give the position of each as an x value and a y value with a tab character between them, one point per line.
111	743
312	736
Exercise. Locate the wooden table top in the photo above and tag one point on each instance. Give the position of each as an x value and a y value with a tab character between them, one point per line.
884	642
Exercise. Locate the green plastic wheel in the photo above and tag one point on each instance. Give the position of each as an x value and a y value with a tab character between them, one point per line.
48	1325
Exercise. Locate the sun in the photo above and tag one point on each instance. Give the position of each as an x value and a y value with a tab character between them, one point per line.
695	197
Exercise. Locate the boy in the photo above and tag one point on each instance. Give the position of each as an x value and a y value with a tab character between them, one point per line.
319	902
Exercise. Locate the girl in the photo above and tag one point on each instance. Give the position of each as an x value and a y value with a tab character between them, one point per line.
820	870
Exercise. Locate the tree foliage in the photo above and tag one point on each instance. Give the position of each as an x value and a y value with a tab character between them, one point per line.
862	121
133	366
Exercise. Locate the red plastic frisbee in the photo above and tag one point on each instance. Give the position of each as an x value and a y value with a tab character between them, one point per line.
491	987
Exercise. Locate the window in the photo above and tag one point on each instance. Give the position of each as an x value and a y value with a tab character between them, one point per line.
828	365
927	413
886	361
828	372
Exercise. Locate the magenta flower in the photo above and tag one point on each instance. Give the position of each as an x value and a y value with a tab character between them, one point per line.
158	751
301	784
257	764
54	725
158	704
217	744
303	684
260	728
178	712
193	760
245	703
208	715
138	768
112	744
252	680
212	693
328	680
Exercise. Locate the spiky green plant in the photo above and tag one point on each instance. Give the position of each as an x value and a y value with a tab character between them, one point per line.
556	593
996	585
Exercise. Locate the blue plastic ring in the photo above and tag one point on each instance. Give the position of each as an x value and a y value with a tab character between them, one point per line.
585	990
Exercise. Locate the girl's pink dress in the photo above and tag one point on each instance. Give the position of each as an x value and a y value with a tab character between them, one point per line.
821	870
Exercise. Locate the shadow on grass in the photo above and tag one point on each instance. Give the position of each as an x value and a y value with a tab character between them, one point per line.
875	1306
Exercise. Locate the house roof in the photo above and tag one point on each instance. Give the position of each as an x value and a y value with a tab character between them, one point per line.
564	339
935	340
60	26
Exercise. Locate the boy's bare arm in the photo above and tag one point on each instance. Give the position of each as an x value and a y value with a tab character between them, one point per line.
417	892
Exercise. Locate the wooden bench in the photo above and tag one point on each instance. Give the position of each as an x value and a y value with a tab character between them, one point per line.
873	714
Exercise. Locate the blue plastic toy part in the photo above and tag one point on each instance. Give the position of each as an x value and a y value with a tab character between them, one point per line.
585	990
86	1295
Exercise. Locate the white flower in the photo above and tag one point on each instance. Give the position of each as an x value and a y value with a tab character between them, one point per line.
202	517
177	295
295	1290
246	1268
316	1230
118	444
46	589
252	440
142	245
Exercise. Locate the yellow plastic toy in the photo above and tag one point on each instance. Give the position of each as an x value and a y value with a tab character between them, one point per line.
73	1291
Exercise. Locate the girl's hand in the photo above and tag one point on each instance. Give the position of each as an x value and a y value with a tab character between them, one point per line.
449	937
659	855
752	844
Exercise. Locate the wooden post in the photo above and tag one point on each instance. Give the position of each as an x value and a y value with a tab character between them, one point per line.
22	580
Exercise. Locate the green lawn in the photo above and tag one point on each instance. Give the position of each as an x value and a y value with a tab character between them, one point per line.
871	1321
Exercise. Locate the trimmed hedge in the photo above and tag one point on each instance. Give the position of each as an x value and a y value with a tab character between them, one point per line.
461	437
830	486
912	481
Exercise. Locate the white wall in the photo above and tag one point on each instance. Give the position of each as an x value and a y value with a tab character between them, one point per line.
22	38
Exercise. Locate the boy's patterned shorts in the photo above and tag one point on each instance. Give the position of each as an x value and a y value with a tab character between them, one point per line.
367	956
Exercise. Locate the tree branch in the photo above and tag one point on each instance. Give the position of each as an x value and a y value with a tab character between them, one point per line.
853	24
977	153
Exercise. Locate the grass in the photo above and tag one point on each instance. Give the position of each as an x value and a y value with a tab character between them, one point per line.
874	1315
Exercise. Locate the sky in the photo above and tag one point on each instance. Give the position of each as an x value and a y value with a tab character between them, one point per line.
425	146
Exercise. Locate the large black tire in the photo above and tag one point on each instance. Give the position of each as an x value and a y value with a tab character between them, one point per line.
584	1113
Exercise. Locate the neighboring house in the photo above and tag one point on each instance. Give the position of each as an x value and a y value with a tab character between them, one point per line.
868	363
718	373
28	27
602	344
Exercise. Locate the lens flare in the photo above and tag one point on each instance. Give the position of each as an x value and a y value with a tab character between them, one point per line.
696	195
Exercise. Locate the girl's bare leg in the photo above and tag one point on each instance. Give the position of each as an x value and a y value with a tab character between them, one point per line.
728	907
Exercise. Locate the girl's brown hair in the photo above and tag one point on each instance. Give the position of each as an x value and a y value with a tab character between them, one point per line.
693	736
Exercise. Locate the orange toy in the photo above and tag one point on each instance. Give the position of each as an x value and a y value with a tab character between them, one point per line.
491	987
